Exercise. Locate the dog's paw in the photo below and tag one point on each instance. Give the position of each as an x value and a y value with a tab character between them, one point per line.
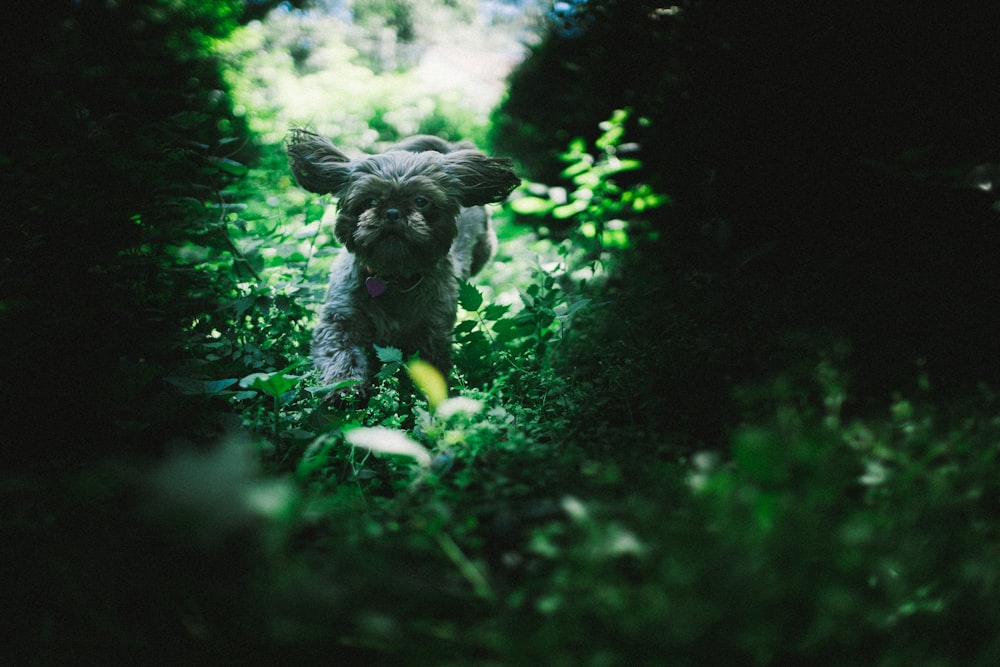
349	395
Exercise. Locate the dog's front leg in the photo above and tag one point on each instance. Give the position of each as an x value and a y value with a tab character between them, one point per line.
339	357
435	349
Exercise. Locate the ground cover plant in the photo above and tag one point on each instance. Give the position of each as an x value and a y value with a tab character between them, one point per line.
652	450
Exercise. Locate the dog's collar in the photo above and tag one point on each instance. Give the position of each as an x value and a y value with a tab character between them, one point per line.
377	285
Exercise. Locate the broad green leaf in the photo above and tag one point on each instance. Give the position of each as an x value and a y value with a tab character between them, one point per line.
192	386
509	329
465	327
274	384
469	296
258	381
475	343
495	311
242	305
325	389
611	137
216	386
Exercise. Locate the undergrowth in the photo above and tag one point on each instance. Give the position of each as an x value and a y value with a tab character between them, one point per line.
592	467
631	464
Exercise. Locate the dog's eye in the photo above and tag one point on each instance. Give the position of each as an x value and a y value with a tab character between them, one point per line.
371	202
421	202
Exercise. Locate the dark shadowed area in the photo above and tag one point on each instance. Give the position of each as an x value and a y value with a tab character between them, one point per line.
725	394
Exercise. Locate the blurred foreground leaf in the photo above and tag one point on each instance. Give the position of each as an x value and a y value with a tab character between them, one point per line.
388	441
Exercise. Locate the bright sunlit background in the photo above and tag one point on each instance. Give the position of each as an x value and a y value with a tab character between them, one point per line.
366	74
378	71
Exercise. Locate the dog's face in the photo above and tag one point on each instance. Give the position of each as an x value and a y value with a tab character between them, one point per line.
397	213
397	210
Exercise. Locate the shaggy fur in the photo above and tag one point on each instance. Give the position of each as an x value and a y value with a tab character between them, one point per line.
411	220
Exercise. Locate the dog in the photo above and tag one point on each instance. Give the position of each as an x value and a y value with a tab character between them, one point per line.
411	220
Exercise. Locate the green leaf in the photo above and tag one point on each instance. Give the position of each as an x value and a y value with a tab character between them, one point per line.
531	205
509	329
570	209
578	168
229	166
465	327
567	311
429	380
476	344
325	389
192	386
314	212
388	354
274	384
576	151
315	456
495	311
591	178
541	319
619	166
469	296
216	386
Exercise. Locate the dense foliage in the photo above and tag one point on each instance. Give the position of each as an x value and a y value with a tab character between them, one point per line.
822	152
119	143
678	431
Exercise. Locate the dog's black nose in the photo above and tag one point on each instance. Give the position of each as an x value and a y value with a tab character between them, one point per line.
393	215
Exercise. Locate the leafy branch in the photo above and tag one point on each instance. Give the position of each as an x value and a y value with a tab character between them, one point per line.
603	213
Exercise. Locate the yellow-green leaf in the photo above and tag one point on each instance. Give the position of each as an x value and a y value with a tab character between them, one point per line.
429	380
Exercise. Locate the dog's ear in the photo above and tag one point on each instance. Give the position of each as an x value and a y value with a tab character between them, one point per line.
317	165
484	180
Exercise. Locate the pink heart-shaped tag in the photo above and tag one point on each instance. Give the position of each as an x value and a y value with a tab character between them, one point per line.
376	286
